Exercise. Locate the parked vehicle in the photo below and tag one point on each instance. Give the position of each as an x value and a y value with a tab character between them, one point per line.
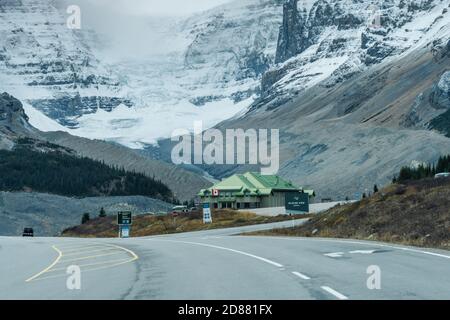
179	209
28	232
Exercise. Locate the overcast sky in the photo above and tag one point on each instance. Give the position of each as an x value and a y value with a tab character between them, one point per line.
137	28
153	7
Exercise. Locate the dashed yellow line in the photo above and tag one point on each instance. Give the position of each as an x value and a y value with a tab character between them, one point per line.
60	255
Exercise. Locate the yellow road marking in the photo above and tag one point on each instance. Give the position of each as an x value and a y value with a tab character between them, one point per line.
89	251
60	254
92	257
92	264
87	244
94	269
134	255
80	249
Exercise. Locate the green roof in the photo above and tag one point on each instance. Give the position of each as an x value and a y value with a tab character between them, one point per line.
253	183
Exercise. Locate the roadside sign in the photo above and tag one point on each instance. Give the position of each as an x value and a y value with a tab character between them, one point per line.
125	231
124	218
207	217
296	203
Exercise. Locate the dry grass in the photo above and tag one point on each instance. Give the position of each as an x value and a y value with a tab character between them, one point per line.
148	225
416	213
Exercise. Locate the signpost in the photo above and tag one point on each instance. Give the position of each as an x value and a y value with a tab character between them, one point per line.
207	217
124	220
297	203
125	231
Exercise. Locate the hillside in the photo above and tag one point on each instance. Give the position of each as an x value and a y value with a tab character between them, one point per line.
414	213
50	214
184	184
59	173
15	129
149	225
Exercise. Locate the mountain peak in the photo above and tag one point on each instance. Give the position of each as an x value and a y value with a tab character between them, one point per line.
11	111
13	122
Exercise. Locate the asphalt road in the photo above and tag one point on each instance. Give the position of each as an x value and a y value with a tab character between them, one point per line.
217	265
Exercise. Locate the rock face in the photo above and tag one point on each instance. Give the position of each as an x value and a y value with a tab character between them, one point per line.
328	41
64	77
268	50
440	96
13	122
440	99
341	140
11	111
291	39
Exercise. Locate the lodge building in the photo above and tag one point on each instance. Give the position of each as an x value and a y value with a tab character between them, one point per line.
250	190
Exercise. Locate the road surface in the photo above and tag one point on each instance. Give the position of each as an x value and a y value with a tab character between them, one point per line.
216	264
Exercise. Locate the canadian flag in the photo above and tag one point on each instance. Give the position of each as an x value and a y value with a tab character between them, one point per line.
215	193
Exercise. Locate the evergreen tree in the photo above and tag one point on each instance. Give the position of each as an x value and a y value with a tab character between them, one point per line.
85	218
424	170
102	213
64	174
375	189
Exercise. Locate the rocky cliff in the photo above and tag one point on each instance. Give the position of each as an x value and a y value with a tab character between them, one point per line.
329	41
52	67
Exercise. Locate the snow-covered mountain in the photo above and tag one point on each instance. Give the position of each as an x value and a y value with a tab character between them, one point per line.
51	66
355	101
332	40
355	86
210	66
210	69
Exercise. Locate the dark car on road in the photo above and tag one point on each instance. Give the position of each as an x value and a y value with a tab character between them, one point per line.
28	232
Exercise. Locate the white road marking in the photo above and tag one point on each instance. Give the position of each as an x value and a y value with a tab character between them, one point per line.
362	251
276	264
338	295
334	254
354	242
301	275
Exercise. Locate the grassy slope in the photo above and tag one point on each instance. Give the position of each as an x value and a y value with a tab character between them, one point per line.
147	225
414	213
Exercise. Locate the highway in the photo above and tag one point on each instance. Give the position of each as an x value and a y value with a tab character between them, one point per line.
217	264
